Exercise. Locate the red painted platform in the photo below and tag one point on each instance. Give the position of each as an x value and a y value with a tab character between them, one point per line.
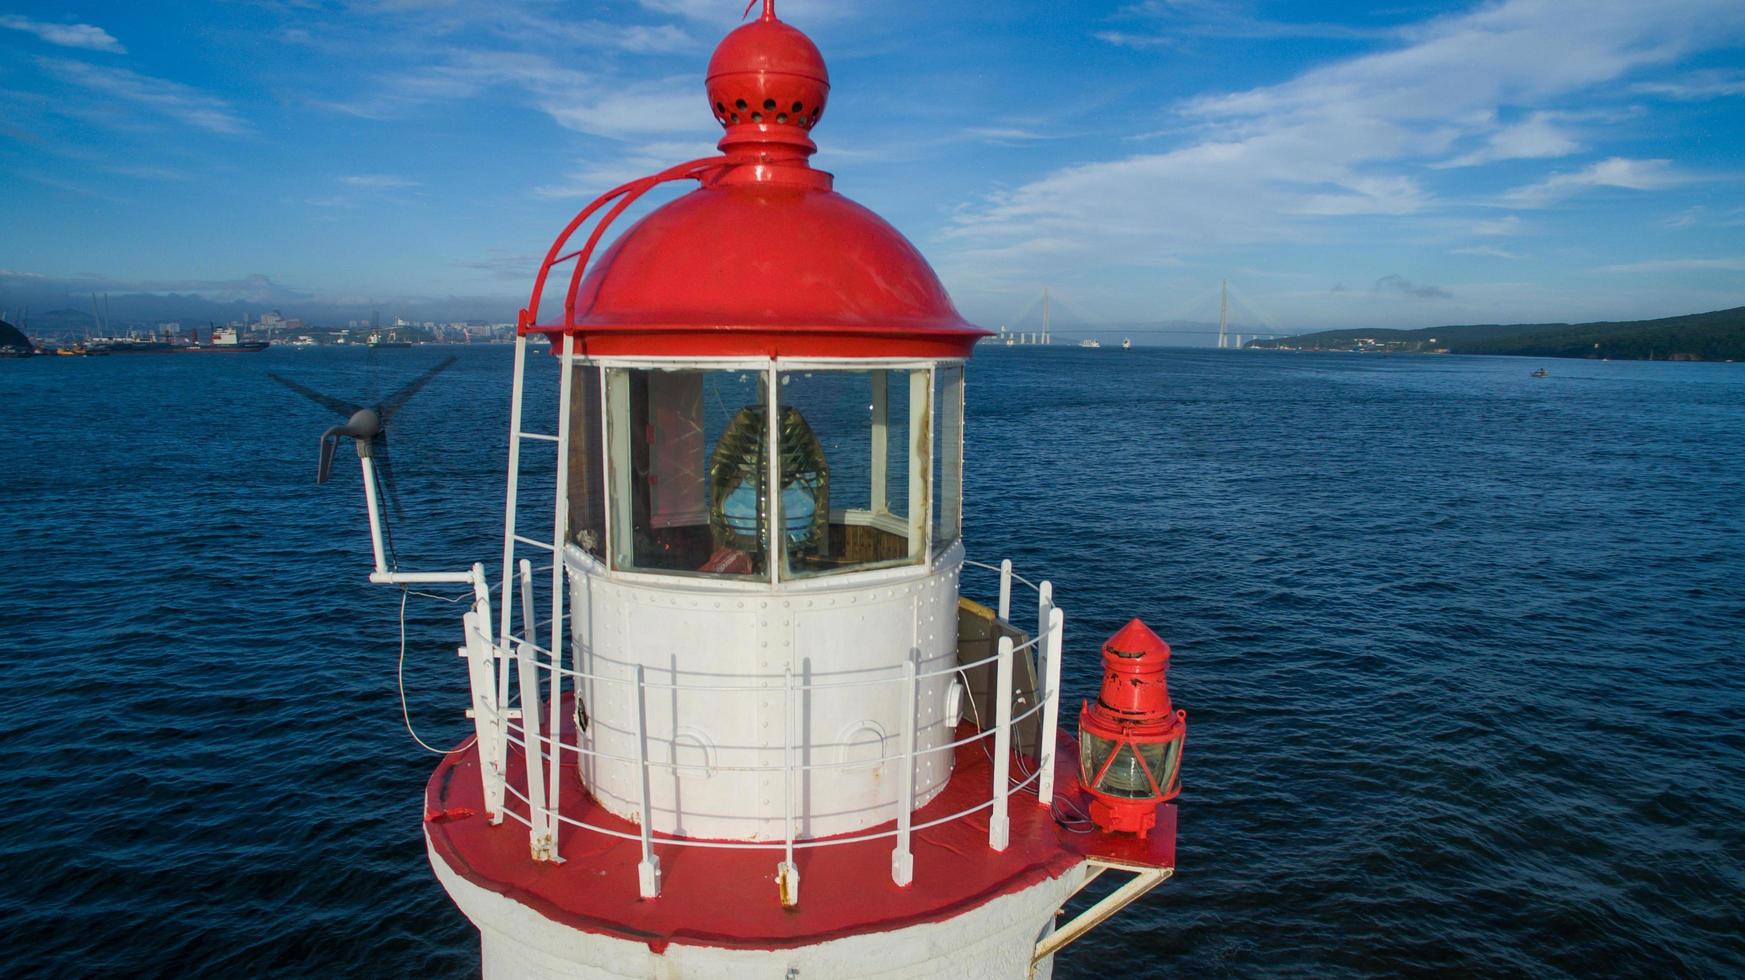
717	897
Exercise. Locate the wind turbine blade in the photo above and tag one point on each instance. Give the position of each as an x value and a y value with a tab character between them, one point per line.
324	469
392	403
326	401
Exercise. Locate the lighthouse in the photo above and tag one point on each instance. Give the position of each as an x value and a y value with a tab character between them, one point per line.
742	703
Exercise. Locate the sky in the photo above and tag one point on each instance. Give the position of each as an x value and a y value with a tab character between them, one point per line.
1340	166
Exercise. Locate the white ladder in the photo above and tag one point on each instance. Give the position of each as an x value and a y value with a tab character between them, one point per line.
542	818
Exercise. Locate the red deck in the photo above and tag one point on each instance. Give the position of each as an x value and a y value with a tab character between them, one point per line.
717	897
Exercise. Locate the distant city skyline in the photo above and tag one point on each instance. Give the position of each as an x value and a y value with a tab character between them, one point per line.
1515	161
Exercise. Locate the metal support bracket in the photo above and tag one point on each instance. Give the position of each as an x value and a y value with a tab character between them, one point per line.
1144	879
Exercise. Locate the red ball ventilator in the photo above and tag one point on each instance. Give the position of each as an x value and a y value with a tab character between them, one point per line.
1130	741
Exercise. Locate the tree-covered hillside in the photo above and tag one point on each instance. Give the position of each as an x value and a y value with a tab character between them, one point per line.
1716	336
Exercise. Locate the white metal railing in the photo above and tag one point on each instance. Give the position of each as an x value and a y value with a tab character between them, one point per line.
498	726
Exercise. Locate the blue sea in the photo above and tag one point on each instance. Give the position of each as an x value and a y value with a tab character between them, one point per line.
1463	653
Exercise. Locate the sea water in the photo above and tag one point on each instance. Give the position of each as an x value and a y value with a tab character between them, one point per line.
1463	652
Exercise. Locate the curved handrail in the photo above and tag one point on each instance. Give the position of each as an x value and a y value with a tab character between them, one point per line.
630	191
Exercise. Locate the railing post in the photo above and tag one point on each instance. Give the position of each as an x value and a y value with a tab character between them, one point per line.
500	753
787	872
1044	603
539	822
489	709
1044	606
902	858
1050	707
648	869
481	654
999	825
1006	589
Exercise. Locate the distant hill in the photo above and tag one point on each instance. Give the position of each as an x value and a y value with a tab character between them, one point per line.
1716	336
12	341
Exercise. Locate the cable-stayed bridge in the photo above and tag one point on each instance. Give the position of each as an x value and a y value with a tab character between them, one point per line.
1231	320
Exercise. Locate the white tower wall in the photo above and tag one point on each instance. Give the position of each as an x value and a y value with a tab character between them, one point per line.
714	662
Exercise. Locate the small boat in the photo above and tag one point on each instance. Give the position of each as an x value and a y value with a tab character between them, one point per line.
1540	373
1090	343
1127	343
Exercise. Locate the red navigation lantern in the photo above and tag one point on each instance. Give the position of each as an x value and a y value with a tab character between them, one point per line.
1130	741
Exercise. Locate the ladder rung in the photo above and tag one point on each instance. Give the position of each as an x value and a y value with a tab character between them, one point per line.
537	544
542	437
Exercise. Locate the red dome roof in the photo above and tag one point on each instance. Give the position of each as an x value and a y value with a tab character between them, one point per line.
767	268
764	259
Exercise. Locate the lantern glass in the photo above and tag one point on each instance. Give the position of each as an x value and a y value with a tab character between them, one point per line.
947	455
872	428
1164	760
688	454
1126	775
1093	751
587	463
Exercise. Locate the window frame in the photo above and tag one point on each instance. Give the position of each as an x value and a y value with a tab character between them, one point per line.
772	368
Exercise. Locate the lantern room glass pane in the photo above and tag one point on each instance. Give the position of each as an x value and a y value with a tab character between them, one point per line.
688	458
587	462
947	456
854	455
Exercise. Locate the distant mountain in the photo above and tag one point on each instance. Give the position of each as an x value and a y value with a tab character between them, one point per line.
140	305
1716	336
63	323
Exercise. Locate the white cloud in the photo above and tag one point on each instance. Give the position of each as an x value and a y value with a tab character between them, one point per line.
1537	137
377	181
1697	86
674	105
595	177
66	35
1702	216
1733	264
1358	138
1008	134
173	99
1636	175
1123	39
664	37
1173	20
715	12
574	99
1406	287
1489	251
1510	225
146	171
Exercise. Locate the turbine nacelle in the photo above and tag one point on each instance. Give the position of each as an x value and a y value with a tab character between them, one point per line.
364	426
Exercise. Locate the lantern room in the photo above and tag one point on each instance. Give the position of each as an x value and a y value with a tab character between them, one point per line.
763	404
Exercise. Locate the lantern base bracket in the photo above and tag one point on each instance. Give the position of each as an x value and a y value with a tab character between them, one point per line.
1144	879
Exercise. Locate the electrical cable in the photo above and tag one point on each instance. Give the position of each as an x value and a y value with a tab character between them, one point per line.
1074	818
405	715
